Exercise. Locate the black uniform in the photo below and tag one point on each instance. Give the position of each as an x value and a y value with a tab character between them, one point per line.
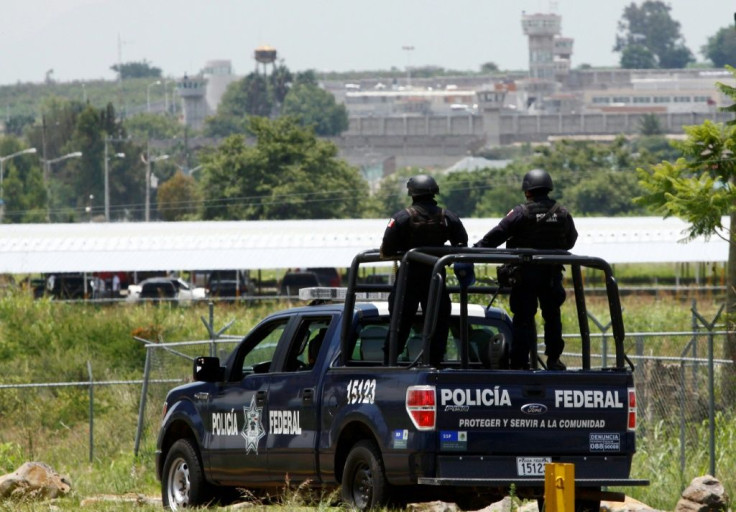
423	224
530	226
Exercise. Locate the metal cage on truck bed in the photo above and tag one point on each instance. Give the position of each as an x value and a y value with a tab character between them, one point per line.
441	257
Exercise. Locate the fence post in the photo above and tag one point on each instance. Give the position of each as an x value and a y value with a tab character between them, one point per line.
604	341
682	417
694	339
91	412
142	407
214	335
710	326
211	329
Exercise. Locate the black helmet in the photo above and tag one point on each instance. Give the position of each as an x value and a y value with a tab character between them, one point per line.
536	179
422	185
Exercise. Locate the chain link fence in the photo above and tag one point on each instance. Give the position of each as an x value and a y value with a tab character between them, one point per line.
677	379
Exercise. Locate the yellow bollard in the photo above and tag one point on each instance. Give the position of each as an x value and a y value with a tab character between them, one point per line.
559	487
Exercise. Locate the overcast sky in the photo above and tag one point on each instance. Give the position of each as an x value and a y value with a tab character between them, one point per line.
81	39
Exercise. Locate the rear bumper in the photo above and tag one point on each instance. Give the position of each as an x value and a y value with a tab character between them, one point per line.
590	471
529	482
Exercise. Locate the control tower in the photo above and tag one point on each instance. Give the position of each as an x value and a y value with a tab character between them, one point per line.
541	30
192	92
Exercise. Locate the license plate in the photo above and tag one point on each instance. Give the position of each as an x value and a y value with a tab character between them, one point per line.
531	466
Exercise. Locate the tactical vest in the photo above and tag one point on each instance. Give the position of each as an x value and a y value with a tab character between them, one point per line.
427	229
539	230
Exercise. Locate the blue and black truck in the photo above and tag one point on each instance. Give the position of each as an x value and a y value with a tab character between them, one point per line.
307	397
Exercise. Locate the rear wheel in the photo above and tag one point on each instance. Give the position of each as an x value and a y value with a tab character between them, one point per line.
364	484
182	481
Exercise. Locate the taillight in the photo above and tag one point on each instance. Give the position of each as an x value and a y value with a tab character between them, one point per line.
165	408
632	409
421	406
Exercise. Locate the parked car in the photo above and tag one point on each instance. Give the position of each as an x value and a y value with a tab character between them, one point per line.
172	289
230	284
293	281
72	286
327	276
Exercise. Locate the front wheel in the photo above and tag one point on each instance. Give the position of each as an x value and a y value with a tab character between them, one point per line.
182	481
364	484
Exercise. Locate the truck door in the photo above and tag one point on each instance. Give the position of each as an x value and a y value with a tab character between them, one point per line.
235	421
293	402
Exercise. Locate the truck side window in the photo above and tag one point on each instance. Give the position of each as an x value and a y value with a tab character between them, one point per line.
306	344
369	345
257	349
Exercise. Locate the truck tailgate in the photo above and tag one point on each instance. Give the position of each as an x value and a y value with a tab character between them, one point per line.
506	424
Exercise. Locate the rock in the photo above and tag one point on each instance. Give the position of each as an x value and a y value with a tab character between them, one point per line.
500	506
628	505
432	506
33	480
704	494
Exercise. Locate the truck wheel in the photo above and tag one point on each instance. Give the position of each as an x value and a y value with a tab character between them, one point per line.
364	482
182	482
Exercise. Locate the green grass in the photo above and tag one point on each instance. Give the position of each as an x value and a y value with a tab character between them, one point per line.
48	341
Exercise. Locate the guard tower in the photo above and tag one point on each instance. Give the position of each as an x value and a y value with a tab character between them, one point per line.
192	92
490	102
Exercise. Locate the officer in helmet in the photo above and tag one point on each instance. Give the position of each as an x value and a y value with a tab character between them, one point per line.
539	223
423	224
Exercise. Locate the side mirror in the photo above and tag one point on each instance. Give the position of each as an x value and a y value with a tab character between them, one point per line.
207	369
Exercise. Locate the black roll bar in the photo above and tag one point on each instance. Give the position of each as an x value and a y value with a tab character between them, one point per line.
441	257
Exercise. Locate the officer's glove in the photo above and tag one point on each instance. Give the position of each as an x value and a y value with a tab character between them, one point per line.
465	273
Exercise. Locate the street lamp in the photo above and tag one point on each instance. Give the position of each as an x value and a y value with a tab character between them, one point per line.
148	93
107	181
148	161
2	165
47	175
408	49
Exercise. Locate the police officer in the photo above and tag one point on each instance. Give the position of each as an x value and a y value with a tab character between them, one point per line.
423	224
540	223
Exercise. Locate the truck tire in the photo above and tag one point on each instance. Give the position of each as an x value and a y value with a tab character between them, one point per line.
364	484
182	483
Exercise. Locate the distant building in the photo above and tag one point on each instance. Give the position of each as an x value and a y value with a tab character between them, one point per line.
201	94
192	91
219	74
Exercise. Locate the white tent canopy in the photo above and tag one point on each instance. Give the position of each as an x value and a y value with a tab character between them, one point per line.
99	247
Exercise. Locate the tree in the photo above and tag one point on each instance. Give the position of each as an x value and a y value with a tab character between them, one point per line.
649	124
287	174
178	198
489	67
651	26
316	108
280	93
721	47
142	69
637	56
152	126
18	123
250	96
24	193
700	187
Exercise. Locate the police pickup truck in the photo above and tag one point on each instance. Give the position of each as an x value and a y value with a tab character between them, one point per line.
306	396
